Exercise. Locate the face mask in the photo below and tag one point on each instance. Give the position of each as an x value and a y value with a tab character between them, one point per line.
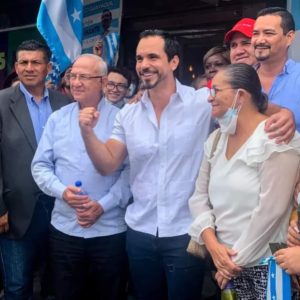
228	121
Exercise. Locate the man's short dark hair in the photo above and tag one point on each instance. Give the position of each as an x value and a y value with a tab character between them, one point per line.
172	46
33	45
287	20
122	71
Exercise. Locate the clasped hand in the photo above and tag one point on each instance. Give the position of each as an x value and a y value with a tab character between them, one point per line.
87	210
226	268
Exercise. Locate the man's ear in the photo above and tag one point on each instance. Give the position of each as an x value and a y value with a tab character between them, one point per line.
174	62
49	67
290	37
103	81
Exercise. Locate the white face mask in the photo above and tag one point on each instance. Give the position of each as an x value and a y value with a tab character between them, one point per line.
228	121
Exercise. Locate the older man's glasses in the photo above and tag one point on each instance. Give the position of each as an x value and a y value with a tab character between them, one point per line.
120	87
81	77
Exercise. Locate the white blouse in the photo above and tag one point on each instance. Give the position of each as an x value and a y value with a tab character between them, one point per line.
246	199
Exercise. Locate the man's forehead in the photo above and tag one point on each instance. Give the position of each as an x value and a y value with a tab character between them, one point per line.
151	42
267	21
85	61
30	53
116	77
237	36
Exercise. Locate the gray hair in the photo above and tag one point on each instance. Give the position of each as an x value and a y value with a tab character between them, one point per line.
100	63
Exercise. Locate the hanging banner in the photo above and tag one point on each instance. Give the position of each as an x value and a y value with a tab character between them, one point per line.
101	28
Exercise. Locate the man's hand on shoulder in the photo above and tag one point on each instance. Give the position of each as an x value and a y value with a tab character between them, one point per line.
281	126
4	223
136	98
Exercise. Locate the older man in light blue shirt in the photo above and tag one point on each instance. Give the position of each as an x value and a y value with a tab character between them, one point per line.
88	231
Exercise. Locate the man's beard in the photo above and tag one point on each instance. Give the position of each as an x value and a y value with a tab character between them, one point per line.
148	85
261	56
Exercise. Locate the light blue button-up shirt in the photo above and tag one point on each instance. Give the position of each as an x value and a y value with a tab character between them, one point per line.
39	111
61	159
164	159
285	90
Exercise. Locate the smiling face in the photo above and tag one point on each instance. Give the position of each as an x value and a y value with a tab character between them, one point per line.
88	89
152	63
32	68
241	50
224	95
269	41
116	87
214	64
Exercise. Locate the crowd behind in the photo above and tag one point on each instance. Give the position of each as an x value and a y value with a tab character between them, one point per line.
102	197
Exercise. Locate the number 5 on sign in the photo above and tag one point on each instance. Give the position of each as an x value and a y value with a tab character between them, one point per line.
2	60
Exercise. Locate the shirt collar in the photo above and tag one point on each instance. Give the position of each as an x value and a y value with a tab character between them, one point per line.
29	97
179	94
287	68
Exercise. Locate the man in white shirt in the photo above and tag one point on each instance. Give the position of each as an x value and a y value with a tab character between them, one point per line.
163	135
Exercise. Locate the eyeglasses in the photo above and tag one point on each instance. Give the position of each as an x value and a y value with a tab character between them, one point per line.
81	77
119	86
213	91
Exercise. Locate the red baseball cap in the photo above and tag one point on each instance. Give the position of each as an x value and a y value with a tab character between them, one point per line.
244	26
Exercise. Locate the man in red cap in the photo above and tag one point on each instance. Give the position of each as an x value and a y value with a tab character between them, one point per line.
239	41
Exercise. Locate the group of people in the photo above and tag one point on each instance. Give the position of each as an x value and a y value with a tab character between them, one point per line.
118	190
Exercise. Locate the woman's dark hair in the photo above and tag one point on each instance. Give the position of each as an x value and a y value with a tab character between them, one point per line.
243	76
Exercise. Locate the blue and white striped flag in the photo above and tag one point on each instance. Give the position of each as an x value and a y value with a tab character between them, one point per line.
60	23
279	282
112	46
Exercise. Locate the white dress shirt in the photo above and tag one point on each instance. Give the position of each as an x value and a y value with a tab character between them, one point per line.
249	195
164	159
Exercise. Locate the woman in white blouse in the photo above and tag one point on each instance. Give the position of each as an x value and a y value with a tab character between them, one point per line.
242	198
